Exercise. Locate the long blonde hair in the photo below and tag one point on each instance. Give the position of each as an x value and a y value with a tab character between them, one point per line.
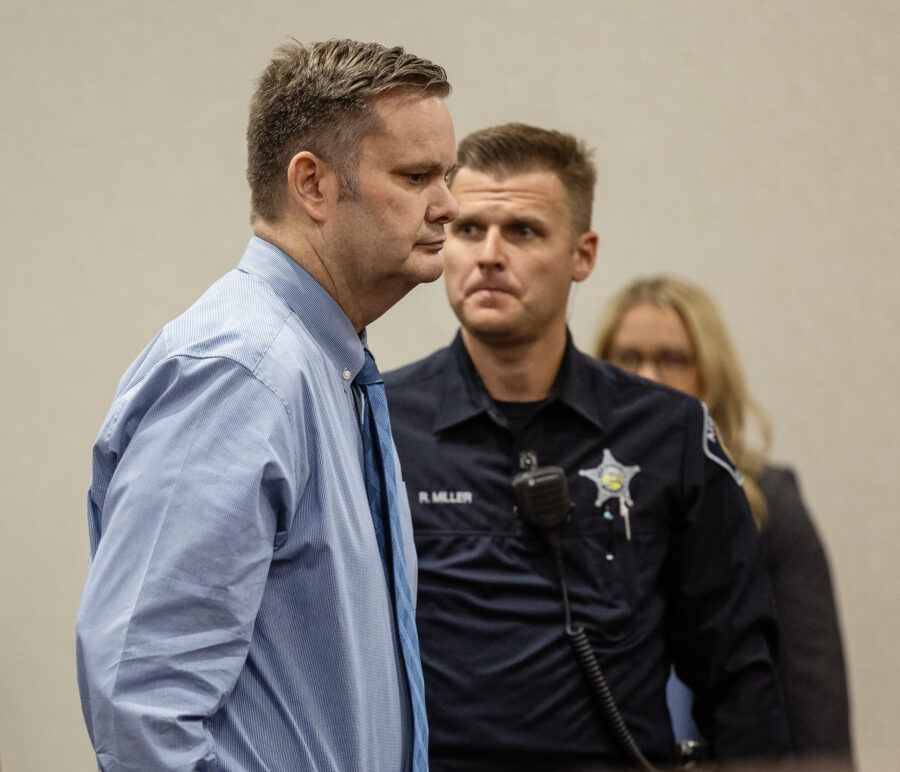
722	385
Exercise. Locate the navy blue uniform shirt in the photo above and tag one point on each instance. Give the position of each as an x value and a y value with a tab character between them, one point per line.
674	577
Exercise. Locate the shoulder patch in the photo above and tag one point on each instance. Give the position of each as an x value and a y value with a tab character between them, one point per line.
715	449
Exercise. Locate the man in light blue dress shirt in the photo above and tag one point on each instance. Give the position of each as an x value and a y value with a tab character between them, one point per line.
236	614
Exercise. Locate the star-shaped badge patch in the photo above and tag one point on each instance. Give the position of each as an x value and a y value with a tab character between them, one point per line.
612	479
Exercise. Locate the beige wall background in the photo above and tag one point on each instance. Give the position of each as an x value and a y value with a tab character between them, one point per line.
751	145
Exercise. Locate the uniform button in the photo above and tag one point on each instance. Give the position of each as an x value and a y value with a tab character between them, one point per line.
347	375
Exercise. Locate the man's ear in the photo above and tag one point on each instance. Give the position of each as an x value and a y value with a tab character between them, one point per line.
585	254
312	185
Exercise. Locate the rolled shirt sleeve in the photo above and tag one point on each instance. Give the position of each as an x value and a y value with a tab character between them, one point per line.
194	476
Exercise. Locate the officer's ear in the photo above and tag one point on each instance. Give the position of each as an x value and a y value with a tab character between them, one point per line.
312	185
584	253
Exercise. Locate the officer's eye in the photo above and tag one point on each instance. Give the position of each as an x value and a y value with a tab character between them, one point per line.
521	230
464	228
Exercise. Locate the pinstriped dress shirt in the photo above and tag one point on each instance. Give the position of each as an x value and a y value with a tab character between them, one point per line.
236	615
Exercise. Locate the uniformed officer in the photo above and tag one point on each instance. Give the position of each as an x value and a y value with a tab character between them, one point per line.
660	554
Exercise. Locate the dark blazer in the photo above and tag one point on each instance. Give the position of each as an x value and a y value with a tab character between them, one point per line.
811	657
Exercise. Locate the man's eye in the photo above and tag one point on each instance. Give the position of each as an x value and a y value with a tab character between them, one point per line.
465	229
416	178
520	230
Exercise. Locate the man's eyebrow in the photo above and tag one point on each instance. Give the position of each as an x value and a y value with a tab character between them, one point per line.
512	221
530	221
424	167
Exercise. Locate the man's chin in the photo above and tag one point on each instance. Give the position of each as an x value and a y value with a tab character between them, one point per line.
491	332
427	270
433	275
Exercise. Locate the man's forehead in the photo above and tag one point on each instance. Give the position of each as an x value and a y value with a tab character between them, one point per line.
421	122
395	98
533	191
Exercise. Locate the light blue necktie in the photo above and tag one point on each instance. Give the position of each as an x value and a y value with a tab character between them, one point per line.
378	466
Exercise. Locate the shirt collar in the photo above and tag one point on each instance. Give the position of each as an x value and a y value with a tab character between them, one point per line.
464	395
581	384
316	309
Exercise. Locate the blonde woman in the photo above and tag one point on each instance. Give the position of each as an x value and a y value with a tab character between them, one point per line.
668	330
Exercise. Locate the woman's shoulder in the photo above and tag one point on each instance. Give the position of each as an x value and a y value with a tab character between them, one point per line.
789	524
777	480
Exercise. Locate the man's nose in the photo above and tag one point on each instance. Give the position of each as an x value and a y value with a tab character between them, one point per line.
444	209
492	255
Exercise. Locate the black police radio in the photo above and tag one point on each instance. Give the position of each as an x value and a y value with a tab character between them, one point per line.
542	500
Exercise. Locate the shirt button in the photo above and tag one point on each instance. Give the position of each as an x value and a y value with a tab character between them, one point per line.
347	375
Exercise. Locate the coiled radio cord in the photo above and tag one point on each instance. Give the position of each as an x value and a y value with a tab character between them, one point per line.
594	675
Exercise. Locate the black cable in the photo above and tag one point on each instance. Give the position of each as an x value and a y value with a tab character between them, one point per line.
542	499
594	675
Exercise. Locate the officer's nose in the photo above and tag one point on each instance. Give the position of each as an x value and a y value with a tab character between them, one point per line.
492	255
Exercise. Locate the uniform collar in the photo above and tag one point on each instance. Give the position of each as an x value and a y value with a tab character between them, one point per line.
581	384
316	309
578	385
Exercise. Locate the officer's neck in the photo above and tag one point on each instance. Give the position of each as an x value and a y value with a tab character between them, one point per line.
517	371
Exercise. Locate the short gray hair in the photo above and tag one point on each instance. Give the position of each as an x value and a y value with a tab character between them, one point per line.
318	98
